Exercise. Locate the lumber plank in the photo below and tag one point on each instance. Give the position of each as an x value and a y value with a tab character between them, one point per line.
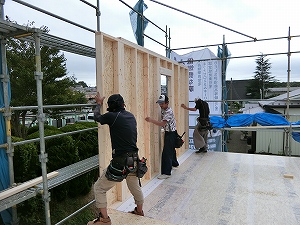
14	190
288	176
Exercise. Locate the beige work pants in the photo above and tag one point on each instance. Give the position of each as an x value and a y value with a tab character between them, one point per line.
200	137
102	185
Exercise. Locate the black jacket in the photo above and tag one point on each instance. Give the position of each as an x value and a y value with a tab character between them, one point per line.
203	108
122	127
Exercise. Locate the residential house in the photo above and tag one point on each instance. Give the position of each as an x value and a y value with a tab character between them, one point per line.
275	141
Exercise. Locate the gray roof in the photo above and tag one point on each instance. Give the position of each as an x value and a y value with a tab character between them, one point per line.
236	89
281	100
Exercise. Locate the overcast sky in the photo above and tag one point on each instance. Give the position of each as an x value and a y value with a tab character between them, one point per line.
261	19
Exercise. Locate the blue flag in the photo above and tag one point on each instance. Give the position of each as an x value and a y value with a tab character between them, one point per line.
138	23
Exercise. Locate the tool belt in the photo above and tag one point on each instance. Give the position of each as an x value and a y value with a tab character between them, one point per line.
204	124
121	166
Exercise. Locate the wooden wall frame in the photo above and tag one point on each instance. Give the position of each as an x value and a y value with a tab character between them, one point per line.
135	72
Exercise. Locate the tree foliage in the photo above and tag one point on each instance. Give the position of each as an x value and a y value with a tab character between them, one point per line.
62	152
26	161
262	78
291	84
57	86
66	150
82	83
87	144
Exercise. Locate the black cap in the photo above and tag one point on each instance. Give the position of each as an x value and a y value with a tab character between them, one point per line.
115	103
115	98
197	100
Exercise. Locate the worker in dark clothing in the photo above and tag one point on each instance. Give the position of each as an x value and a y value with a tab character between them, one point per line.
123	134
200	134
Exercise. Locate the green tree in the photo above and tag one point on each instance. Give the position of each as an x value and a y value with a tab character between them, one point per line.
57	86
82	83
26	161
262	78
87	144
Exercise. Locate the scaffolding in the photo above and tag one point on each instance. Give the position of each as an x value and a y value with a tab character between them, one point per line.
224	58
40	38
36	36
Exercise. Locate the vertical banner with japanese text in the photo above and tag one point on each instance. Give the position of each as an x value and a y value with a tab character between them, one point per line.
205	82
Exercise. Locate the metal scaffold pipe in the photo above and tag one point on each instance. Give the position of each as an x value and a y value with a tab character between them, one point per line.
288	141
53	15
43	154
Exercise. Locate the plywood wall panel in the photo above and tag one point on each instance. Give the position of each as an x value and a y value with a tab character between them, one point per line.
105	67
126	91
135	72
141	97
145	107
155	132
108	64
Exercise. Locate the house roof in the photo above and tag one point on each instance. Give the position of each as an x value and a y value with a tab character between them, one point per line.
282	89
280	101
236	89
271	104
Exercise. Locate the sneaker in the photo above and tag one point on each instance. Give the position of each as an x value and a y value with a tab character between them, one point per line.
100	221
136	212
201	150
175	165
163	176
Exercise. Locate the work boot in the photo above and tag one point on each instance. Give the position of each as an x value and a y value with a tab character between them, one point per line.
100	221
137	213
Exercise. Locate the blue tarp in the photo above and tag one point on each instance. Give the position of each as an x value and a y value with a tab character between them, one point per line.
269	119
296	136
264	119
217	121
4	173
239	120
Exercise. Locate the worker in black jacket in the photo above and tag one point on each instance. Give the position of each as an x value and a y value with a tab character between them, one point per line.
123	134
200	134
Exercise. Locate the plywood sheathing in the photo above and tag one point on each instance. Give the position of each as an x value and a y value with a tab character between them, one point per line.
135	72
121	218
228	188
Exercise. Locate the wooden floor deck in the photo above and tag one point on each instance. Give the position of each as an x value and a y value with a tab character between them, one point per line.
221	188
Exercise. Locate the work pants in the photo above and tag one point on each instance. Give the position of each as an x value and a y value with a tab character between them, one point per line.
200	137
103	185
169	157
